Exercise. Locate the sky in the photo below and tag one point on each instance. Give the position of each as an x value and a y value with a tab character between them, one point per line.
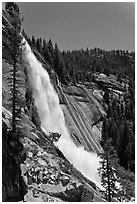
77	25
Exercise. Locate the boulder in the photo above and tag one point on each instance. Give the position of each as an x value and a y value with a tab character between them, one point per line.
65	180
30	154
23	168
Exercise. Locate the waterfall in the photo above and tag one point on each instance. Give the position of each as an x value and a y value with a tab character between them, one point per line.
52	118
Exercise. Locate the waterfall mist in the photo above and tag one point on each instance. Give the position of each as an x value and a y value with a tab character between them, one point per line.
52	118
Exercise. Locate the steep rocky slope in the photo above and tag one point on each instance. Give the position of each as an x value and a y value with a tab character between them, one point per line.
83	106
44	157
41	172
81	109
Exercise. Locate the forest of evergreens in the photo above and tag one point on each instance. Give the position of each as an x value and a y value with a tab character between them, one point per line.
79	65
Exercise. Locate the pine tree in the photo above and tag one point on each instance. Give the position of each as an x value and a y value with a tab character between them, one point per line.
56	60
33	41
15	47
123	142
109	111
48	52
39	45
106	97
118	183
10	6
104	131
113	132
50	48
45	52
43	46
126	191
59	66
107	171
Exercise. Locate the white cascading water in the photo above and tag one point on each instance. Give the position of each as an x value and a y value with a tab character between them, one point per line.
52	118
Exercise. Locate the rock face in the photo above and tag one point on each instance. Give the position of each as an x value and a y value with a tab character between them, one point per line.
82	107
34	170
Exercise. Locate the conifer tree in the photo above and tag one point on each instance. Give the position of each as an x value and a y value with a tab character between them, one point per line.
50	48
43	46
113	132
15	47
104	131
33	41
118	183
106	97
39	45
59	66
45	52
107	171
57	61
126	191
109	111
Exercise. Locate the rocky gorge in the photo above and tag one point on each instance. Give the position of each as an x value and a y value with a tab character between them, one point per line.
53	157
42	171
